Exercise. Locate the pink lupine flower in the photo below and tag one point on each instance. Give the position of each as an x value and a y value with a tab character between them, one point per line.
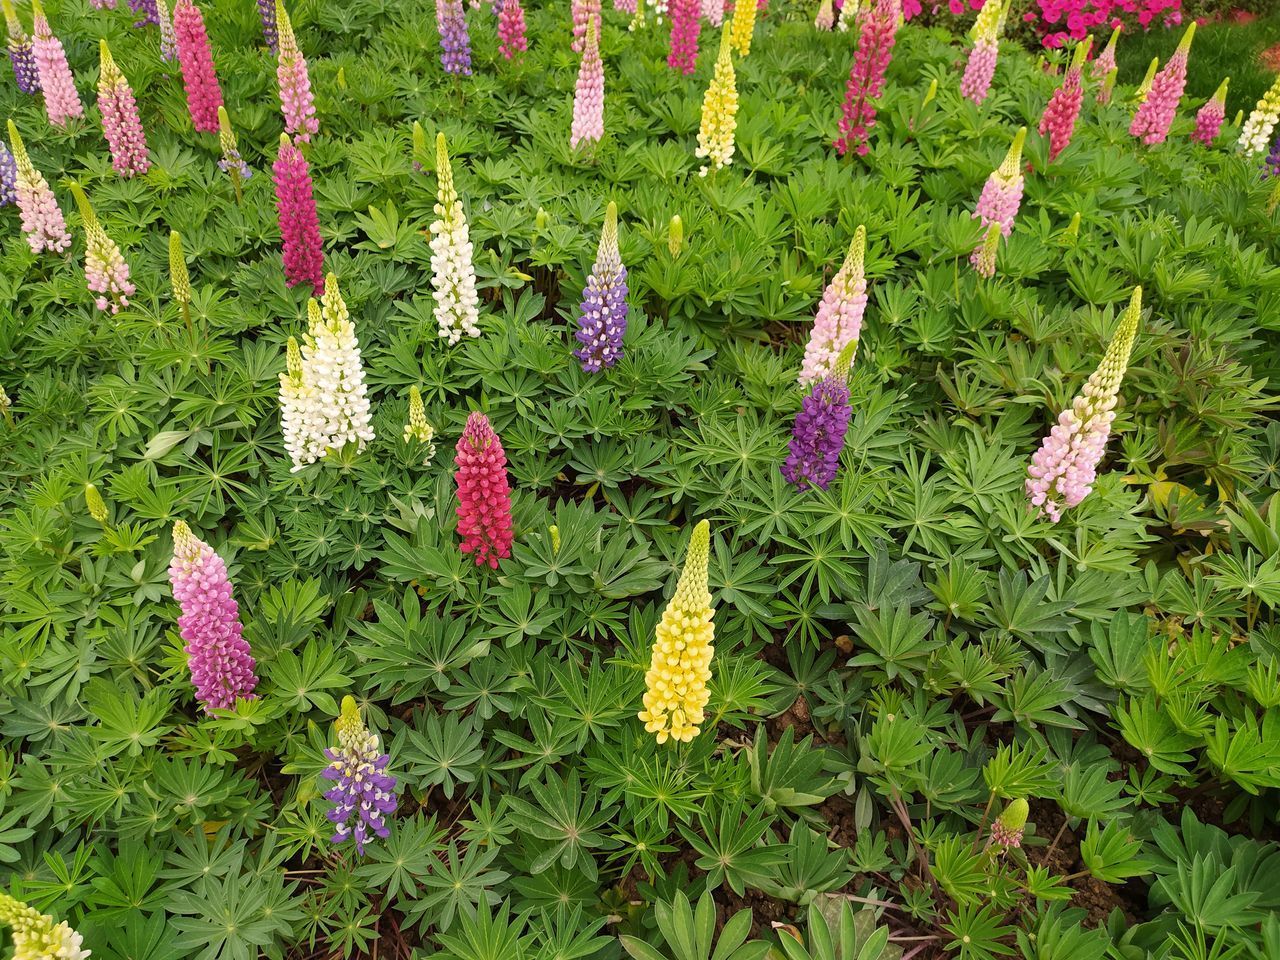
484	493
511	38
713	10
222	666
588	98
877	32
1210	117
1106	60
105	271
1059	119
584	12
685	24
981	66
296	102
299	224
1155	114
1063	470
120	122
42	221
826	18
625	6
61	101
204	95
1002	193
838	321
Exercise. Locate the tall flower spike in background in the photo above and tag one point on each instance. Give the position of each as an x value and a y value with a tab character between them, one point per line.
455	42
1155	114
42	221
179	279
584	12
168	39
1106	60
743	26
120	122
511	38
452	272
719	112
418	428
1209	118
296	102
848	14
838	321
105	271
8	177
147	10
332	368
36	936
817	436
603	320
981	66
362	788
270	26
1063	470
61	101
877	33
1063	109
484	493
676	693
231	162
21	55
826	18
685	25
1255	135
713	10
588	96
222	666
299	224
204	95
1002	193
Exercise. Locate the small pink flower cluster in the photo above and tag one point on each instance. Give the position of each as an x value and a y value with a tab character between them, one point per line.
1061	20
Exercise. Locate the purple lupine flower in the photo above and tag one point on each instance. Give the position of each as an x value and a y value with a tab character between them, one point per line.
270	31
817	438
146	10
222	667
8	177
604	302
455	43
1272	167
21	53
362	788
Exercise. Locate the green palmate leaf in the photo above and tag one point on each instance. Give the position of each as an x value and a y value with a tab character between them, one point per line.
1111	854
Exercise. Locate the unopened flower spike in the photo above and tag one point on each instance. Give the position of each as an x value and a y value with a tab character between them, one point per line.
602	320
42	220
105	271
293	82
675	235
21	55
93	501
417	428
1006	832
35	935
676	691
838	321
121	124
231	163
1210	117
719	112
1154	116
420	154
1106	60
1073	228
453	273
61	101
179	279
554	531
363	794
1145	86
1063	470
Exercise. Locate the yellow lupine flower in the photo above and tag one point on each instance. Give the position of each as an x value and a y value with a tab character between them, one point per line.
744	25
677	678
719	112
179	279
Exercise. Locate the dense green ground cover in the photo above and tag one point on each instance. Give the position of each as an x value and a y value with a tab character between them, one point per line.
897	658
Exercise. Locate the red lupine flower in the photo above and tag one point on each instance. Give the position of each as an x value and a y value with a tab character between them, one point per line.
484	495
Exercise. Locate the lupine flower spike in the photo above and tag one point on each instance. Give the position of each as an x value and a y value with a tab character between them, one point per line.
105	271
1145	86
36	936
838	321
21	55
584	12
455	42
5	404
179	279
877	33
452	272
685	24
743	26
61	101
603	320
675	235
1155	115
984	258
1006	832
1210	117
1063	470
204	95
362	789
826	18
713	10
676	693
222	666
637	18
588	97
300	413
299	224
1108	85
719	112
1106	60
296	102
94	503
817	436
147	10
1255	135
1002	193
511	38
42	221
231	163
981	66
625	6
849	14
168	39
417	428
270	23
120	122
484	494
1063	109
8	177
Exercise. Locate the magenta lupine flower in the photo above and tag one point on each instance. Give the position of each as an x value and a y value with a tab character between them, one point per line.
484	492
455	42
584	12
877	32
61	101
296	102
8	177
1063	109
1155	114
20	53
603	320
121	124
588	97
685	24
838	322
1002	193
105	271
511	38
817	437
1210	117
1062	471
42	221
204	95
147	10
299	224
270	27
222	666
362	788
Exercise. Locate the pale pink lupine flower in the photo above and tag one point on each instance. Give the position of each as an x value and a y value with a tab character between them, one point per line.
105	272
1002	193
981	66
584	12
838	321
42	221
588	99
120	122
296	101
61	101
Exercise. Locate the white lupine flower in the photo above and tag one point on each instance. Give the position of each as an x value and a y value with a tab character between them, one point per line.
848	13
300	413
452	273
331	361
1255	136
